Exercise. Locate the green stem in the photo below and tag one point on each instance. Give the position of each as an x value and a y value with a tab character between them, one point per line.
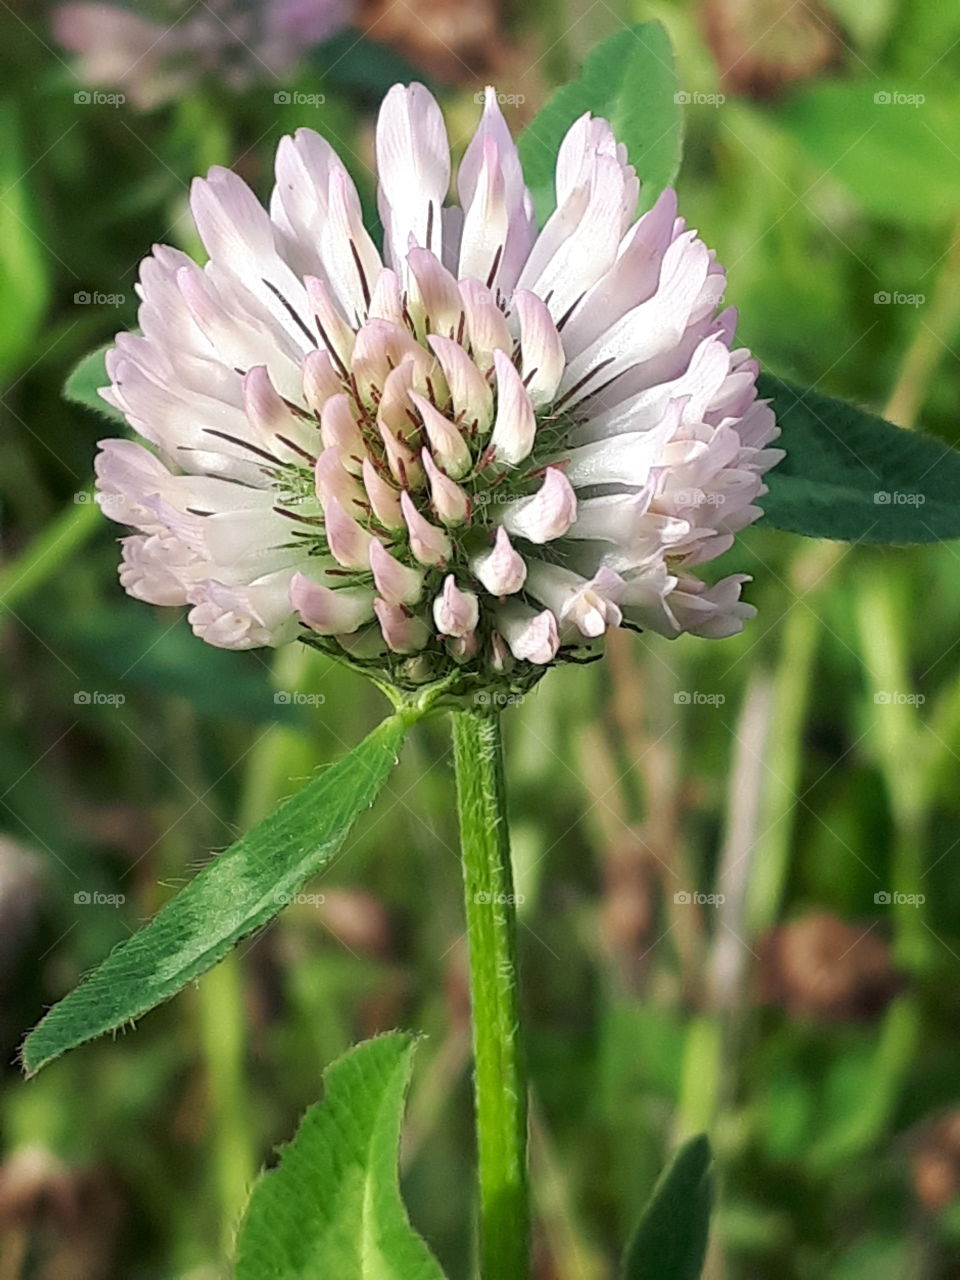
500	1089
223	1033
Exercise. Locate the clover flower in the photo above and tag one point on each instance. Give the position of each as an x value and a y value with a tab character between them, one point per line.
477	452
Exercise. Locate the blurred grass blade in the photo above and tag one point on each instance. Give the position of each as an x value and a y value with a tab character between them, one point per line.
852	476
239	891
332	1208
671	1241
83	383
24	261
630	80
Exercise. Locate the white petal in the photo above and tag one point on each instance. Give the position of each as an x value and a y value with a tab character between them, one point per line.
413	165
541	350
430	545
327	610
403	632
648	330
240	238
396	582
455	612
433	299
446	442
501	569
499	225
244	617
588	605
531	636
348	541
515	428
486	325
446	497
546	514
469	391
384	497
350	257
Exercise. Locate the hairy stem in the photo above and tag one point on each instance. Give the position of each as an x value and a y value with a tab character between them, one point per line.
500	1089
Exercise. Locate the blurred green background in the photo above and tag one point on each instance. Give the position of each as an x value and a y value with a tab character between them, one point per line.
805	773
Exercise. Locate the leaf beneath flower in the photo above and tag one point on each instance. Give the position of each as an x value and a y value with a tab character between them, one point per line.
239	891
332	1208
83	382
853	477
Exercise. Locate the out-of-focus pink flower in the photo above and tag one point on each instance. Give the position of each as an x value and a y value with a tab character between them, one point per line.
478	451
152	60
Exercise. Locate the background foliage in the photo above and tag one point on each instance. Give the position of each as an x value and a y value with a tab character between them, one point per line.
805	771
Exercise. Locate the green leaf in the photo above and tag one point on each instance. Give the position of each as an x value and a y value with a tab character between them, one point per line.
127	646
854	477
630	80
239	891
671	1241
83	382
332	1209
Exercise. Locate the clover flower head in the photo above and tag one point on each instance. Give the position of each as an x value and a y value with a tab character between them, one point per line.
474	453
